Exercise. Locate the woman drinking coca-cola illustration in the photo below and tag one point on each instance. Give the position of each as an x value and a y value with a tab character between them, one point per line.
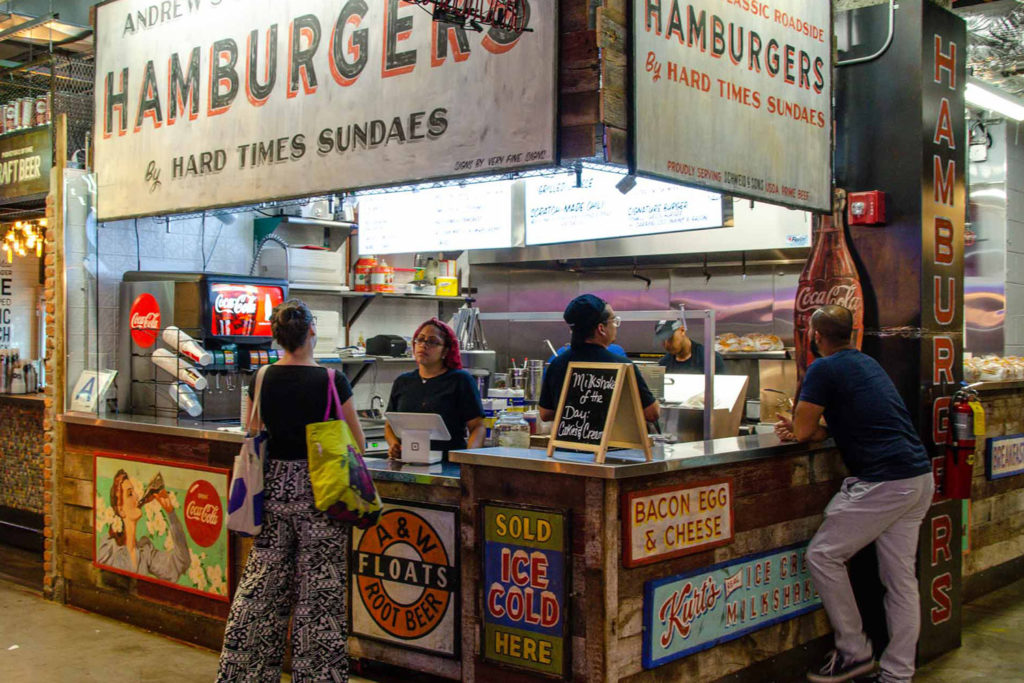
124	549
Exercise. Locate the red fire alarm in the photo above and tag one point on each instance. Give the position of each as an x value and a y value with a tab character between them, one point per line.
866	208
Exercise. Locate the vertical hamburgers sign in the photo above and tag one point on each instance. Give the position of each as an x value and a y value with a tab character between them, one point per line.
203	103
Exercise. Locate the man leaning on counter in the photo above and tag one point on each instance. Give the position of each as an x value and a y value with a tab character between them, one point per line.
594	327
685	356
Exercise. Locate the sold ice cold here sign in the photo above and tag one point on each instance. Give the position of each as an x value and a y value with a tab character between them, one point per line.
525	588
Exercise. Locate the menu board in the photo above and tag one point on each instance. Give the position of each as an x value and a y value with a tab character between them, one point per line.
474	216
18	292
587	399
555	208
599	407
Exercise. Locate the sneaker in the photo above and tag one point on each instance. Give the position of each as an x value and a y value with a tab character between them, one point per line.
835	670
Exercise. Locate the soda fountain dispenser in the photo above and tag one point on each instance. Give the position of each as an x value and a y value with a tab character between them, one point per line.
193	341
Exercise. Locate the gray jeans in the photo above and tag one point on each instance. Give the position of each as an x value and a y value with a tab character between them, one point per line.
888	513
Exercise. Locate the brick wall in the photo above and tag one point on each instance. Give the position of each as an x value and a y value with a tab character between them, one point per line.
997	507
21	477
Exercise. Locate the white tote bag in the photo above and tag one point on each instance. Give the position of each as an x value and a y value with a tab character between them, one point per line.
245	496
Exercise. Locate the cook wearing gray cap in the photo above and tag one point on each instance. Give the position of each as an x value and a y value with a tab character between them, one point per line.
594	326
685	356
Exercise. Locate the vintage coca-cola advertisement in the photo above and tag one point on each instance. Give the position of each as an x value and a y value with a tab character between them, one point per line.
171	514
829	277
242	310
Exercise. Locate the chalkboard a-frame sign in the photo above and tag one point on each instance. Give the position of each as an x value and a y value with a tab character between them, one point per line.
599	407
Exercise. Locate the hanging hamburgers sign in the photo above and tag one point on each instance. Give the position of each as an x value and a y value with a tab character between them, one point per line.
204	104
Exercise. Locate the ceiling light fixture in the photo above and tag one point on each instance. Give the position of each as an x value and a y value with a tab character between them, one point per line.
981	94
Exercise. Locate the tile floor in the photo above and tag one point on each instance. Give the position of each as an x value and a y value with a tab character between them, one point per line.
37	639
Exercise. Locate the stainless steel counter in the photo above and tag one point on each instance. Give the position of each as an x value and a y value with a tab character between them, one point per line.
382	469
161	426
442	474
630	463
1006	385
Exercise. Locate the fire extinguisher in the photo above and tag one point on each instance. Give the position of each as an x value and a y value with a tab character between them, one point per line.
960	445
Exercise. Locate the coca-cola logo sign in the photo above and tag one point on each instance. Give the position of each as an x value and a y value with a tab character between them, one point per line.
845	295
239	305
204	513
144	320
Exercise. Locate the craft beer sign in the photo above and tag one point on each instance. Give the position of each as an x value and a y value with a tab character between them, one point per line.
204	103
736	96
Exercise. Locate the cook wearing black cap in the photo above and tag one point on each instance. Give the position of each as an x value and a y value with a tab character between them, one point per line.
594	326
685	356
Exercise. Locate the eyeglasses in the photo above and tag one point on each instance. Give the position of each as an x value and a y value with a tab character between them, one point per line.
429	342
615	321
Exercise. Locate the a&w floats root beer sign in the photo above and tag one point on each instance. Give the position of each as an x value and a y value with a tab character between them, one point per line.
204	103
691	612
405	588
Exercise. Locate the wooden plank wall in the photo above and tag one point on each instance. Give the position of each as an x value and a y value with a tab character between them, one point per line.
997	507
613	39
176	613
579	81
593	80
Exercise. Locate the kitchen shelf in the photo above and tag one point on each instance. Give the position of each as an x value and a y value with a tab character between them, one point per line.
757	355
364	363
348	294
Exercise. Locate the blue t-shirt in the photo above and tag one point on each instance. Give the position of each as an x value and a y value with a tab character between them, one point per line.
866	417
554	377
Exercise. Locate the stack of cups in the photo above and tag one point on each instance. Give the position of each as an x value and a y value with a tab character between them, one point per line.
183	370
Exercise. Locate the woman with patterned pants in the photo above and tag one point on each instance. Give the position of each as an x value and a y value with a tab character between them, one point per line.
298	566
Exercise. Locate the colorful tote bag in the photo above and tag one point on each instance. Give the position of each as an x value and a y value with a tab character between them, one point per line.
342	485
245	495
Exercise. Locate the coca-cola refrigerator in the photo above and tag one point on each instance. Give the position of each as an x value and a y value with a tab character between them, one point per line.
190	342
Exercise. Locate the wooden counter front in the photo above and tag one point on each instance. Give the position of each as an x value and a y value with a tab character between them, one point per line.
175	612
778	494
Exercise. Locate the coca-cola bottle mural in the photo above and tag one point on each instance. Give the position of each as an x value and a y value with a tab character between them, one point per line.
829	277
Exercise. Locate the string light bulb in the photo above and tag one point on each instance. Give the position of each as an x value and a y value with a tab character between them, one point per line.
23	237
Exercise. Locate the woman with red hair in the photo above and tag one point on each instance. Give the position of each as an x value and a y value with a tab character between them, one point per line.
438	385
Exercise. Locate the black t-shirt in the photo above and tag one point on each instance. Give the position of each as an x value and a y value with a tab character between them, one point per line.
866	416
694	365
292	397
454	396
554	377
